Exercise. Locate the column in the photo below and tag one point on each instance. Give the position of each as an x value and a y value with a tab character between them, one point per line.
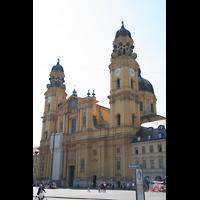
80	120
48	163
64	162
58	127
87	161
64	123
102	160
99	161
76	166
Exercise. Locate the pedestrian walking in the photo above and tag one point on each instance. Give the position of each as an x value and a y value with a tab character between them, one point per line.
105	186
88	187
102	187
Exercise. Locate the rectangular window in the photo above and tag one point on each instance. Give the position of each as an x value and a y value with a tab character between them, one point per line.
73	126
143	149
159	147
118	150
141	106
160	163
152	164
84	121
136	162
151	149
136	150
144	164
118	165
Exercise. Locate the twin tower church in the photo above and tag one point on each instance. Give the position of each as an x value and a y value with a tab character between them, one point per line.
92	142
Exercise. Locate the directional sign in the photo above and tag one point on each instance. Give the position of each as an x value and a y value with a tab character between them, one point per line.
134	166
139	185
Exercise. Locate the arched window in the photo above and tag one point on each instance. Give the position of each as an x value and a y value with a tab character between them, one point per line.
131	83
124	51
151	107
132	119
46	133
141	106
118	83
118	119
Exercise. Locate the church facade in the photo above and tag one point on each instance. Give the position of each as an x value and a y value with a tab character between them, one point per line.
92	142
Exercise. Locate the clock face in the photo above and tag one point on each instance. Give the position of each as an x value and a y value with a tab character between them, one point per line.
117	72
49	99
132	72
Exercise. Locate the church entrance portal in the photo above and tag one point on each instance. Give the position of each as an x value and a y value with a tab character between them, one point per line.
71	176
118	184
94	181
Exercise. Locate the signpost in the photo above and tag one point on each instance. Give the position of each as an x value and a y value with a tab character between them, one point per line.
139	181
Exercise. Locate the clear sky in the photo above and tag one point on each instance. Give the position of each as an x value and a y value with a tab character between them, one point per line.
81	33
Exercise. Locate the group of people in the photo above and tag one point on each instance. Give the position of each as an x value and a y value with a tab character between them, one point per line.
102	187
46	184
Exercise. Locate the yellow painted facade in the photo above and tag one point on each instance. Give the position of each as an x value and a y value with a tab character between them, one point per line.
96	140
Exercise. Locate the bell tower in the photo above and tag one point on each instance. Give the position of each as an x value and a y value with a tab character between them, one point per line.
56	89
124	92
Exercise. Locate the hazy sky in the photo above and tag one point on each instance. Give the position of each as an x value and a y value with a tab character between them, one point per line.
81	33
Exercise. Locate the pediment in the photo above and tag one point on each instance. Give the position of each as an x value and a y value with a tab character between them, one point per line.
63	105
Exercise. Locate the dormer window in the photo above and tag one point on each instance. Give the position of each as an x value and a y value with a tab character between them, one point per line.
149	137
138	139
149	129
159	135
161	127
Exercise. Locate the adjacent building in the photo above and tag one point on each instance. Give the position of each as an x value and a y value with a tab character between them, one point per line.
148	148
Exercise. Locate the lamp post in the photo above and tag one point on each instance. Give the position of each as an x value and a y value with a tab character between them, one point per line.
50	181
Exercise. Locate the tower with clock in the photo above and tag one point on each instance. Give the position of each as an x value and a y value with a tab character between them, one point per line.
55	92
124	93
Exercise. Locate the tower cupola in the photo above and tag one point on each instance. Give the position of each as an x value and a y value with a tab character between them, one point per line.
57	67
57	77
123	44
122	31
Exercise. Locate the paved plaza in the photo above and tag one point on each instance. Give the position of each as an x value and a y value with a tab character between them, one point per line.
74	194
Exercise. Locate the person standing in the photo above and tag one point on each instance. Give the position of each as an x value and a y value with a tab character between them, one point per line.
99	187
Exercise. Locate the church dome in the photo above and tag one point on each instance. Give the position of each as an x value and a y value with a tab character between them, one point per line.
57	67
122	31
144	84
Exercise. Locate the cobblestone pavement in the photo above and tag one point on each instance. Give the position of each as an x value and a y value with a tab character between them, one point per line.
76	194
